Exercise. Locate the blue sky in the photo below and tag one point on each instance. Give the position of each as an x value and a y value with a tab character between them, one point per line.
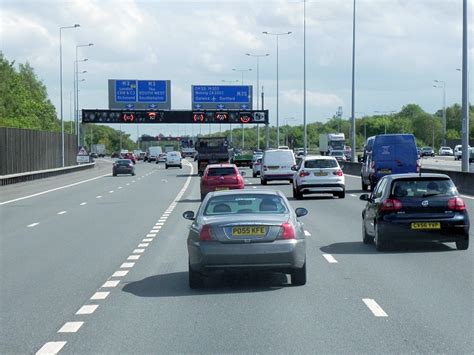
401	47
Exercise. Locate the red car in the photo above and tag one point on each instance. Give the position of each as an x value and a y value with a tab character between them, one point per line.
130	156
221	177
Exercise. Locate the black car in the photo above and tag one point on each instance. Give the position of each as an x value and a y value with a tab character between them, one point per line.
427	152
415	208
123	166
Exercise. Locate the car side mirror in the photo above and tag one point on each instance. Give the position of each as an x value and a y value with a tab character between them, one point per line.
364	197
189	215
300	212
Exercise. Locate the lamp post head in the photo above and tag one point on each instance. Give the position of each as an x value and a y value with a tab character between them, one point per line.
77	25
265	32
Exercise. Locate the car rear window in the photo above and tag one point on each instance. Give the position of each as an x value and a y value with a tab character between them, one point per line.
320	163
282	157
123	162
423	188
242	203
221	171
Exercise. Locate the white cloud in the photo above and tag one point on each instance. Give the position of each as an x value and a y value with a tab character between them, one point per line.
316	99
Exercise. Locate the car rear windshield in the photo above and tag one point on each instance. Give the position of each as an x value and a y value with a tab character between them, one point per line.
320	163
123	162
221	171
423	187
337	154
243	203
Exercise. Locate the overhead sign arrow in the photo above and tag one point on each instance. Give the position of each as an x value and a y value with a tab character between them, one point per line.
152	106
220	106
129	106
197	106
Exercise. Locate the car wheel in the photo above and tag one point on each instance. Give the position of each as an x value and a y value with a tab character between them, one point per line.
254	175
342	194
298	277
133	174
462	244
299	194
291	181
166	166
294	192
263	181
196	280
365	187
180	166
114	174
202	196
367	239
379	245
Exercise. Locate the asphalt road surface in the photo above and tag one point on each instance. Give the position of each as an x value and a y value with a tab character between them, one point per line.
100	266
444	163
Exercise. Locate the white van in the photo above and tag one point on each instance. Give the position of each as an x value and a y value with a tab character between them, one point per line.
276	165
173	159
152	153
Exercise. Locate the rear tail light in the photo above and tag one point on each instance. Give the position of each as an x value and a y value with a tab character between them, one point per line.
456	204
338	173
287	231
303	173
391	205
205	234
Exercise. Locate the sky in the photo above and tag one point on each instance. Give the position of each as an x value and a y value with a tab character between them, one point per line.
402	46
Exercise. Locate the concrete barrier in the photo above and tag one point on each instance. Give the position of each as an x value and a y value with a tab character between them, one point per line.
40	174
463	181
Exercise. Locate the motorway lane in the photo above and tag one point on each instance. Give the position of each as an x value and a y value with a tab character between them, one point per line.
152	310
444	163
49	270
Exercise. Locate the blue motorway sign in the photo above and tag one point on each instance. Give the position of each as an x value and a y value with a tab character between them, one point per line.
222	96
125	91
151	90
139	94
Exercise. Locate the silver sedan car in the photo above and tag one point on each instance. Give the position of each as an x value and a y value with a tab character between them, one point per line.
242	230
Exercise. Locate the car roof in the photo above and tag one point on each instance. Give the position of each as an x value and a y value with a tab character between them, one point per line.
418	175
322	157
224	165
247	192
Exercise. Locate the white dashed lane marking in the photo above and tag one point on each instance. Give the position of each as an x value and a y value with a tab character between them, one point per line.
111	283
100	295
83	204
98	196
151	235
307	234
138	251
62	212
330	259
52	347
70	327
353	195
143	245
32	225
111	191
128	184
147	240
127	265
133	257
120	273
87	309
374	307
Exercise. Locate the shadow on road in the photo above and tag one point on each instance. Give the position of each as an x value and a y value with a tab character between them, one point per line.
361	248
176	284
186	175
190	200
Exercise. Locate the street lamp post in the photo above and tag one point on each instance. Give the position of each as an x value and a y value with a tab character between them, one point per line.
286	130
353	85
61	87
277	89
76	97
443	86
258	56
230	124
242	71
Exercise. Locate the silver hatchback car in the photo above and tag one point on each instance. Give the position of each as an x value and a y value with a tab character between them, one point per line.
246	230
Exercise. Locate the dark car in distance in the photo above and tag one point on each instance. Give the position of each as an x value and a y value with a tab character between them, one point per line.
415	208
123	166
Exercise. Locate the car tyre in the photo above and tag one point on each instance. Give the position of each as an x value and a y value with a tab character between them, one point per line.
379	245
299	194
367	239
462	244
342	194
254	175
263	181
114	174
203	196
196	280
166	166
133	174
180	166
365	187
298	277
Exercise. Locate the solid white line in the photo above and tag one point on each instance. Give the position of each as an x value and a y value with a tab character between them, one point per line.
51	190
62	212
469	197
52	347
330	259
120	273
127	265
138	251
83	204
87	309
374	307
70	327
147	240
100	295
98	196
133	257
307	234
143	245
32	225
112	283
